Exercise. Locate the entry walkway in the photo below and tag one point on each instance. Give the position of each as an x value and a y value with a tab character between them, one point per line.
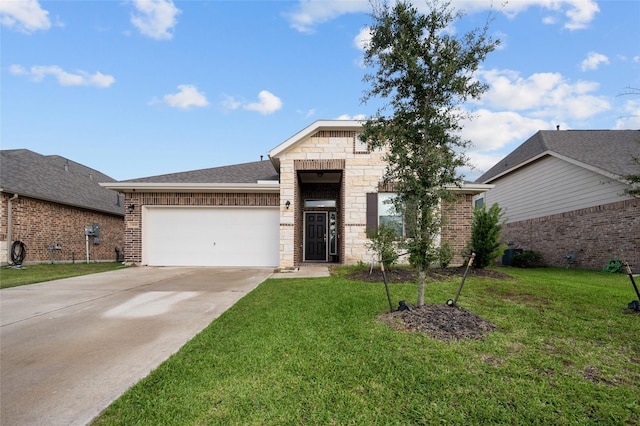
305	271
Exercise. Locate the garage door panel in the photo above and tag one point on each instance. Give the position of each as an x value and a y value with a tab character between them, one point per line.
182	236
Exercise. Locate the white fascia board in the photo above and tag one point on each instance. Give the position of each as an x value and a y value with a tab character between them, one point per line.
312	128
519	165
192	187
470	188
563	158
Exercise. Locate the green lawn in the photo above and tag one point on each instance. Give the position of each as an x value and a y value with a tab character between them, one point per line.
310	351
31	274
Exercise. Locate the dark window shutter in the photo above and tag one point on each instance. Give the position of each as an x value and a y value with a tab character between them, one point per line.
372	212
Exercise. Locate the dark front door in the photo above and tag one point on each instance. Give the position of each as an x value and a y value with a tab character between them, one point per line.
315	236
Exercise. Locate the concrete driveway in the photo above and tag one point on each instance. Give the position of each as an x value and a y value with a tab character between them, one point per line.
69	348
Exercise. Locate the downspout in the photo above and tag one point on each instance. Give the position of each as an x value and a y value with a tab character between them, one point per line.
10	223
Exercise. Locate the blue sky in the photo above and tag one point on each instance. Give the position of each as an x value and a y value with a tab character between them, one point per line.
142	88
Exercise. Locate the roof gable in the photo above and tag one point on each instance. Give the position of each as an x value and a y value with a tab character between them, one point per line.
308	131
608	152
57	179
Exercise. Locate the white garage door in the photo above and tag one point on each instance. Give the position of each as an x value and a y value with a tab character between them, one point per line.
210	236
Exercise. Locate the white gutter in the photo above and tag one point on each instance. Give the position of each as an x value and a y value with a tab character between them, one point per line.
470	188
192	187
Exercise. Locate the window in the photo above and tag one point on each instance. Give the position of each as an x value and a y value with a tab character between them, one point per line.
360	146
333	233
319	203
381	211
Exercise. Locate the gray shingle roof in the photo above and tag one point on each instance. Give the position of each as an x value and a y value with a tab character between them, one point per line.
607	150
238	173
57	179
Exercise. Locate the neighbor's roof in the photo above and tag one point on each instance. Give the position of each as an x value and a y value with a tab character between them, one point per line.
609	152
256	176
56	179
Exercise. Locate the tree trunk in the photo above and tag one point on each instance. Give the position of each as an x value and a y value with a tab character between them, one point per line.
421	275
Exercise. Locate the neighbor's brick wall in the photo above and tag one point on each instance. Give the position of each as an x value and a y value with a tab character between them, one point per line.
133	220
39	224
456	224
595	234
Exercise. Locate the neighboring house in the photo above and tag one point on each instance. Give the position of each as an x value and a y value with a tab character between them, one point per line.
563	193
310	202
47	202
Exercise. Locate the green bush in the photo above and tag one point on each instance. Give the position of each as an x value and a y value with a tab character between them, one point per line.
383	243
527	259
485	235
445	255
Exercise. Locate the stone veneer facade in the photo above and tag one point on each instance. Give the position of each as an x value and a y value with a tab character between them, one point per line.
594	234
361	172
39	224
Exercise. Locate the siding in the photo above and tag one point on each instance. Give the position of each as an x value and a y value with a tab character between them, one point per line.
552	186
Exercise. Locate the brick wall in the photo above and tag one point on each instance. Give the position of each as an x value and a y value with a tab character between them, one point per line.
133	219
595	234
39	224
456	224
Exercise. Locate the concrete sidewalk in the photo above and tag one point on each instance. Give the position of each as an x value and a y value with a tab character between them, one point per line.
71	347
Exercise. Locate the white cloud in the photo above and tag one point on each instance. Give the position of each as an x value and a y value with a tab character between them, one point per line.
155	18
581	14
593	61
80	78
229	102
310	13
187	97
490	131
351	117
307	114
362	40
268	103
24	15
632	118
547	95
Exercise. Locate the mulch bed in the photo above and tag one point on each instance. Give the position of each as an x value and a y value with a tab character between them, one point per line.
406	275
441	322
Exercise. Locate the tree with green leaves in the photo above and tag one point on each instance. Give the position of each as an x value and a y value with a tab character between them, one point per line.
423	74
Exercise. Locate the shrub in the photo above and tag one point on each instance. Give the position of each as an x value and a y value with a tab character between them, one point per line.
527	259
485	235
445	254
383	243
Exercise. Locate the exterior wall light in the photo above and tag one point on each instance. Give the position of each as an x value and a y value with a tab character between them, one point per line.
131	207
287	204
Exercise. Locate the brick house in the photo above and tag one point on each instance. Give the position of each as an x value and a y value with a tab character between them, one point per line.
563	195
310	202
46	202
